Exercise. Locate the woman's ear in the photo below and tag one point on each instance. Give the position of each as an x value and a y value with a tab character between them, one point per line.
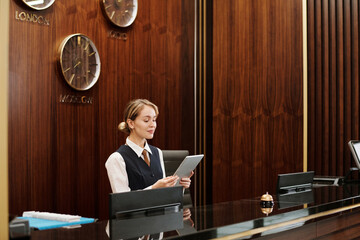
130	123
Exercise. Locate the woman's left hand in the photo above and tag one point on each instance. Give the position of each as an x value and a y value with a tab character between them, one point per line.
186	181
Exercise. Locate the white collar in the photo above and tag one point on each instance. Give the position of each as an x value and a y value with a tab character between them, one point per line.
136	148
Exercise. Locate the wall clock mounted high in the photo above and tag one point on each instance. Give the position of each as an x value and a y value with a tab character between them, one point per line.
79	61
39	4
122	13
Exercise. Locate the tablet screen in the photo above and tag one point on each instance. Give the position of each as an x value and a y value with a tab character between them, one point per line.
187	165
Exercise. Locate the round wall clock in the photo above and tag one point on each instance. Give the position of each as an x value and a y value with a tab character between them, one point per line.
79	61
122	13
39	4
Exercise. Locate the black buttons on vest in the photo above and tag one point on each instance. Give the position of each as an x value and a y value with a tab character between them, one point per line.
152	175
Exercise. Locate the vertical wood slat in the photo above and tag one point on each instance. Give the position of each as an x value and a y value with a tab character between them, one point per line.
334	94
318	74
347	81
340	85
354	71
325	84
333	86
311	84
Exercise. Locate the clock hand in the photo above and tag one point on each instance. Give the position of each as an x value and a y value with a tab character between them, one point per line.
71	78
86	47
91	73
79	62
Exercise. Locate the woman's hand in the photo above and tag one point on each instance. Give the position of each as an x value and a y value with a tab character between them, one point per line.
166	182
187	216
186	181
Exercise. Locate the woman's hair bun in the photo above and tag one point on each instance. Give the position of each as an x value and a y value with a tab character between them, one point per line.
122	126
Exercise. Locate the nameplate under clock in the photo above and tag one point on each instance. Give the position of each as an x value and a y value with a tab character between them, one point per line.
31	18
78	99
117	35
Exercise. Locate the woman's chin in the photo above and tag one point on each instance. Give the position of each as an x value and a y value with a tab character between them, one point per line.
150	136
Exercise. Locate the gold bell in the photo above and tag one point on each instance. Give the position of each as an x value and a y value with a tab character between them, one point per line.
267	200
267	203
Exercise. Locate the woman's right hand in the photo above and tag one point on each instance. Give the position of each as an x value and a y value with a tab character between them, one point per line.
166	182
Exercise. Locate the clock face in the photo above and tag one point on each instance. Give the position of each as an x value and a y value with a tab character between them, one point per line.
79	61
39	4
122	13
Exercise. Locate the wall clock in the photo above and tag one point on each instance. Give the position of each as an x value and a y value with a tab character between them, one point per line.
79	61
39	4
122	13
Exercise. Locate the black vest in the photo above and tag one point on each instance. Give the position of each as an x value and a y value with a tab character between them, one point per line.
140	175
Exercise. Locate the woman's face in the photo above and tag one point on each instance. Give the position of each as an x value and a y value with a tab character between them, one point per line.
144	125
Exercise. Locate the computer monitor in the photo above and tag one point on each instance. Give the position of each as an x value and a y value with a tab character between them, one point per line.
155	210
128	204
173	159
294	182
354	146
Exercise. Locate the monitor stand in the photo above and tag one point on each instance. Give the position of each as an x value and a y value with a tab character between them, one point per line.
328	180
352	169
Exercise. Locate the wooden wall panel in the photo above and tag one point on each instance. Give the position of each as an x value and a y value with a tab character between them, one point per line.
57	151
333	84
257	95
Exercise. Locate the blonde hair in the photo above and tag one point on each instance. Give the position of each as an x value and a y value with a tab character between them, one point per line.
132	110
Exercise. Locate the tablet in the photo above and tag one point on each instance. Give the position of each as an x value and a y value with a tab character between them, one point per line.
187	165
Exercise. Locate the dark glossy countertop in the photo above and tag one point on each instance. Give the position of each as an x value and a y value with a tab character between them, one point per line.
226	219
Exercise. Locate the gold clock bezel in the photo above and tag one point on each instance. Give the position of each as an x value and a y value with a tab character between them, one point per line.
116	14
68	41
45	6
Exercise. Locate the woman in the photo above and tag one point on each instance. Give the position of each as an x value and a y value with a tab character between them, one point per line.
138	165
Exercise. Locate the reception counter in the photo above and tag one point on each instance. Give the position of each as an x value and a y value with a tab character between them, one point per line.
331	212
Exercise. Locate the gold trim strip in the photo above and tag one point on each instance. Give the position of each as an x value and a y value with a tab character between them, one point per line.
201	105
284	224
204	101
196	57
200	96
305	87
4	79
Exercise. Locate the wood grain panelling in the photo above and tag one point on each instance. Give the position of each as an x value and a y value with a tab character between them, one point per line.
57	151
257	95
333	84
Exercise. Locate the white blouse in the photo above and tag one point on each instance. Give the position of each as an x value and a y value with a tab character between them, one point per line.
116	168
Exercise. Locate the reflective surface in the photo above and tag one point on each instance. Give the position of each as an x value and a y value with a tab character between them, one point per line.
228	218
